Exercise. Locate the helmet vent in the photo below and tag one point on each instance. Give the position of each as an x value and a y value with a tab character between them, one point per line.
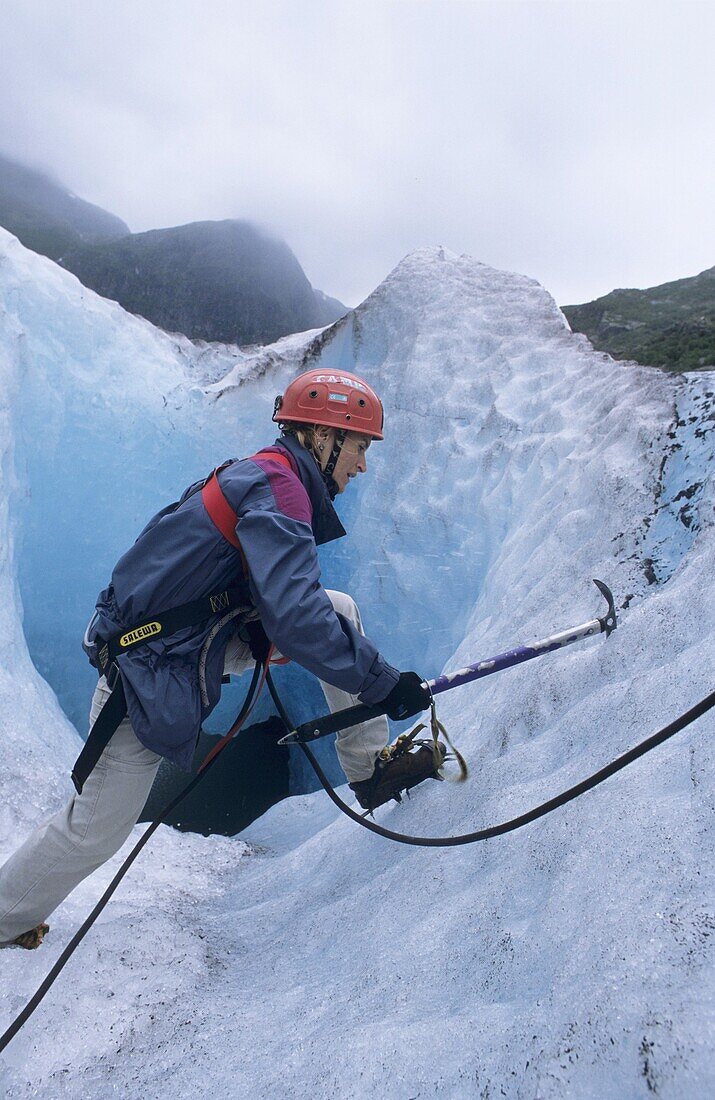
333	399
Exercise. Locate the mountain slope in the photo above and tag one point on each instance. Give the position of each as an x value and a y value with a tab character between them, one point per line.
47	217
570	959
671	326
222	281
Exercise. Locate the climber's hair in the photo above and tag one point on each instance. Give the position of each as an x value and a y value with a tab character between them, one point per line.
306	435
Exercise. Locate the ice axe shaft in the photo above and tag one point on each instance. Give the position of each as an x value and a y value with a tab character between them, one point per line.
352	716
523	653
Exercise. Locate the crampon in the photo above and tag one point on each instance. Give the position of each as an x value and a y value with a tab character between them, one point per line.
32	939
398	769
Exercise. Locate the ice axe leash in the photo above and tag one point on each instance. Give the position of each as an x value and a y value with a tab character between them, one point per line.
353	716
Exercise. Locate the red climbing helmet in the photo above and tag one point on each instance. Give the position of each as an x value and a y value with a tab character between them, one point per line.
337	399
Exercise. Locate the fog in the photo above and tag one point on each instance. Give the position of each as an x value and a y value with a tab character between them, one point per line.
572	142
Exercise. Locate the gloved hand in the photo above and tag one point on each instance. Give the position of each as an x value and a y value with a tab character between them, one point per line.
407	697
257	639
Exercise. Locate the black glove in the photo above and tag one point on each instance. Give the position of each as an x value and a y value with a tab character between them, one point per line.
407	697
257	639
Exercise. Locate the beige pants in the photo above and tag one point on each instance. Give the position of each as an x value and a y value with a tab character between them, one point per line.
356	747
94	825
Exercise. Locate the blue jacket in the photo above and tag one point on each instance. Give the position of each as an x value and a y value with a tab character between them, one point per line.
172	684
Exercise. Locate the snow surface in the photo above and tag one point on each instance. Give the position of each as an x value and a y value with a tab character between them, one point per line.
307	957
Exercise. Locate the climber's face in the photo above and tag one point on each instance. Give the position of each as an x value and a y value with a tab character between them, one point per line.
351	461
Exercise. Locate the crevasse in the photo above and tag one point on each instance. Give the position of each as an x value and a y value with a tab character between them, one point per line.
568	959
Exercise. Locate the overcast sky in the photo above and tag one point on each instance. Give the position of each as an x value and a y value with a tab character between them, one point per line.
573	142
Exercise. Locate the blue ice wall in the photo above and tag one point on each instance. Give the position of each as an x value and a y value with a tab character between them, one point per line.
99	458
115	418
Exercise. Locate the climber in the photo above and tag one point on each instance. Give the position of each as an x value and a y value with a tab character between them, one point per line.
234	561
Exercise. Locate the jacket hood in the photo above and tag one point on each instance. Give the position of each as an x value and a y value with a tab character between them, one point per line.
325	523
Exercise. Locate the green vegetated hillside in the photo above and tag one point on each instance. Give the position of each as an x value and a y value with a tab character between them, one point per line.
671	326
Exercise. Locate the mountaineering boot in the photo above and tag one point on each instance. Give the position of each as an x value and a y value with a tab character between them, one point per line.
396	770
32	939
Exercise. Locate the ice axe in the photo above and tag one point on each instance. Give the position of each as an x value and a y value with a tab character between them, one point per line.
352	716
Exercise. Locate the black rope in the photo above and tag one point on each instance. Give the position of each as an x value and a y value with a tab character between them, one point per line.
433	842
524	819
54	973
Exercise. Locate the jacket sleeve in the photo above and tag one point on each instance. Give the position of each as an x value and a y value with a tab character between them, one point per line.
297	615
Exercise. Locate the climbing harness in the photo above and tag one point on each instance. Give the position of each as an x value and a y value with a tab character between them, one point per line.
262	672
219	509
228	603
233	600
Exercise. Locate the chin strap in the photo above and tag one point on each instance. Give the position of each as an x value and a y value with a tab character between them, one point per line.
331	485
332	463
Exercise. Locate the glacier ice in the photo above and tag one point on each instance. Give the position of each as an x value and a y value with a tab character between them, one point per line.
568	959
